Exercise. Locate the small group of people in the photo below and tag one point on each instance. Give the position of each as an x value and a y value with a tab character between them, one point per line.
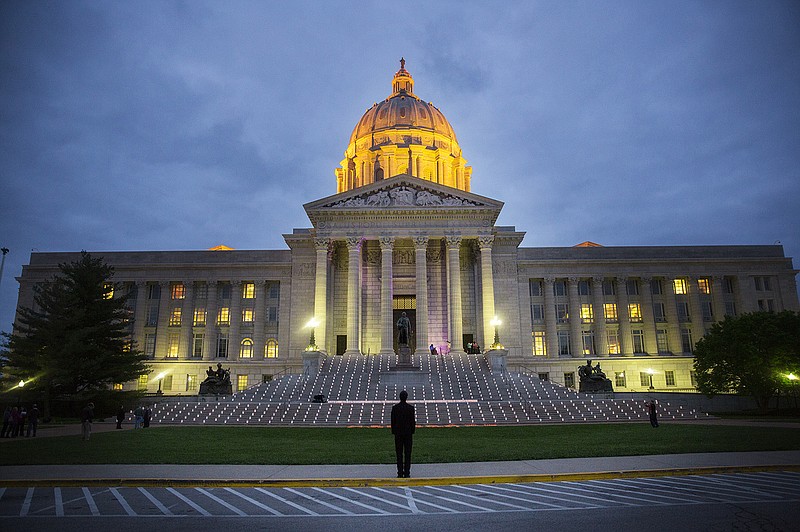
15	420
473	348
142	416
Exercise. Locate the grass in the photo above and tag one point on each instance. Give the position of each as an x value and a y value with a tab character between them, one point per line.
278	445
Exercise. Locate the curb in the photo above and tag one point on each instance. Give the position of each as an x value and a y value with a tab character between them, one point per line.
386	482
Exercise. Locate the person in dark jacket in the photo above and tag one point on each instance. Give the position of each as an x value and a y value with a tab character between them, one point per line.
120	416
33	421
87	414
403	424
651	410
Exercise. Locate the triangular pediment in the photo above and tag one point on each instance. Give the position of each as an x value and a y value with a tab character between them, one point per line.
403	192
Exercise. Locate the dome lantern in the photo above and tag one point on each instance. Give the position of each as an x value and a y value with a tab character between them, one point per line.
402	82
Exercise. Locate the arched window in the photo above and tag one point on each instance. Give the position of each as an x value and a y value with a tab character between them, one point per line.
379	174
246	350
271	349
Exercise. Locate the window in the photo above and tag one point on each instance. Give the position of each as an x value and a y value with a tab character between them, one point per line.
241	383
763	284
683	311
117	386
680	286
587	315
539	344
248	290
584	288
248	316
638	340
225	290
536	288
274	290
197	345
730	308
608	288
728	285
633	287
271	349
108	291
173	345
246	350
166	383
613	342
635	312
153	291
662	343
619	379
562	312
704	286
686	340
223	316
175	317
645	379
177	291
658	312
588	342
544	376
272	314
560	288
142	383
610	311
537	313
222	346
191	382
569	379
150	345
563	343
766	305
201	291
669	376
655	287
152	315
708	311
199	319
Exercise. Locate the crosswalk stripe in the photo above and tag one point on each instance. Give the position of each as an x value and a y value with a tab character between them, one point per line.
702	494
761	480
385	501
59	502
226	504
286	501
566	492
254	502
475	506
163	509
408	496
705	483
650	488
190	502
494	491
640	500
480	499
343	498
327	504
121	500
90	501
26	506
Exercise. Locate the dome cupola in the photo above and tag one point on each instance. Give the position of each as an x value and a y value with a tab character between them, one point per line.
403	135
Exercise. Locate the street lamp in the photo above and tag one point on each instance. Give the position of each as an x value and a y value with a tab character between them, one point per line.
496	324
19	386
312	342
650	371
160	377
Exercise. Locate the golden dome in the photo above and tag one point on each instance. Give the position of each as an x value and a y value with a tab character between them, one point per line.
403	134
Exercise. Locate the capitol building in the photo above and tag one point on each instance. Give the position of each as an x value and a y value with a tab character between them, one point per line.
403	233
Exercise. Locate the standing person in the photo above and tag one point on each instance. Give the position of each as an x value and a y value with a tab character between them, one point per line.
651	409
138	417
14	428
148	414
23	415
6	432
86	421
33	420
120	416
403	425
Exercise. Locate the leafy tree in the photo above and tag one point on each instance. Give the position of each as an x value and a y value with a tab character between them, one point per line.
76	339
749	354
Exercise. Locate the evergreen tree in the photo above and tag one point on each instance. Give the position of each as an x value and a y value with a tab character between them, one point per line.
750	354
76	338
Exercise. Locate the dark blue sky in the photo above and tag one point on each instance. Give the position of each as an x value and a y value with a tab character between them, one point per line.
184	125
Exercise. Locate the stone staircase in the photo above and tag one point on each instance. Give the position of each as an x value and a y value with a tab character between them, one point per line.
455	390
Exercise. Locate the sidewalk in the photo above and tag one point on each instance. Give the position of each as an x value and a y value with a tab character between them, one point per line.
382	474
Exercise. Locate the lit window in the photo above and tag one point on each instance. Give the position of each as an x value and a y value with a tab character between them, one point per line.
619	379
117	386
241	383
197	345
175	317
587	316
569	379
248	315
248	290
191	382
635	312
704	286
174	343
108	291
680	286
610	311
178	291
199	319
271	349
224	316
246	349
539	344
669	376
613	342
142	383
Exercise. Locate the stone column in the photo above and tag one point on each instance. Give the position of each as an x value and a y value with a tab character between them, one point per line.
575	333
421	264
648	319
210	340
698	326
353	295
187	319
487	285
673	323
259	335
140	314
454	294
717	297
162	330
600	338
550	320
321	293
234	339
745	294
387	321
624	334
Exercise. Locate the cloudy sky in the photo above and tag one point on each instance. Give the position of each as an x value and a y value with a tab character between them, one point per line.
187	124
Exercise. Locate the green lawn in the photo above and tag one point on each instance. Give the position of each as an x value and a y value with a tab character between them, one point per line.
278	445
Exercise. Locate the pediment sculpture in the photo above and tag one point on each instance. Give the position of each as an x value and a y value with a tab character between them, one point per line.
404	196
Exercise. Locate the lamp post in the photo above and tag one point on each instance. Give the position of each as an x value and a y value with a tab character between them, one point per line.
650	372
793	380
496	324
19	387
312	342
